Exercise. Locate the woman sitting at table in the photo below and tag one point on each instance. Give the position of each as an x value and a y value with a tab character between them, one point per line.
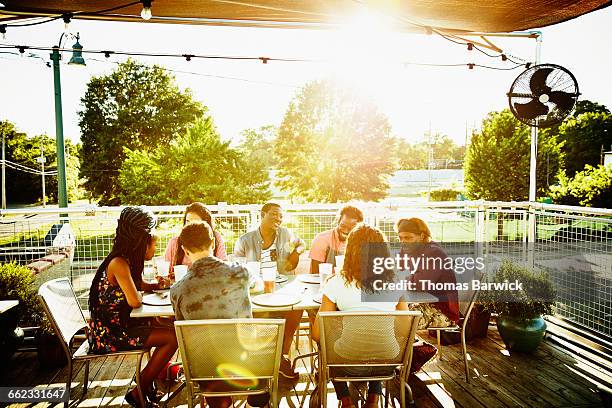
416	241
194	212
115	292
343	291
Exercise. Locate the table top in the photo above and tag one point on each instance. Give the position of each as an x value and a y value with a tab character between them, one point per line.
307	291
7	304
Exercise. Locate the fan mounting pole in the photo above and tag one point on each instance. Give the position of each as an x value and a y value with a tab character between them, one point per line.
531	233
534	136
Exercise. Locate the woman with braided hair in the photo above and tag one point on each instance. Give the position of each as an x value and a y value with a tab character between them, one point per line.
115	292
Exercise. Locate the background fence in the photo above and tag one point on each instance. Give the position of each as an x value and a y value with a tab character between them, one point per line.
572	243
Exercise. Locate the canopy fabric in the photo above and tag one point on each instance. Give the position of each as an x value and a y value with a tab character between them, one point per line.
491	16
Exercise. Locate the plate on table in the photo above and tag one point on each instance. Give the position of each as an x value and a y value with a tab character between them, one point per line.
276	299
317	298
310	278
281	278
163	292
157	299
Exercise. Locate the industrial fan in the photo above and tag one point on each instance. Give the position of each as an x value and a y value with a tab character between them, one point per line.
543	95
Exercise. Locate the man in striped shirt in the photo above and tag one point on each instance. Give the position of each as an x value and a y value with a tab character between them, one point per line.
276	248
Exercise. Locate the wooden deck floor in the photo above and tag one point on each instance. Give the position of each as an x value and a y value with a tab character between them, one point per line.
548	378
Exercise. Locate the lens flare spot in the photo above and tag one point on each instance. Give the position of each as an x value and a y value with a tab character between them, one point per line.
235	375
244	355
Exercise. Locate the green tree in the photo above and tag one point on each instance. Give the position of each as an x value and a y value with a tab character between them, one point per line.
584	137
24	187
258	145
591	187
333	145
412	156
196	166
497	160
137	107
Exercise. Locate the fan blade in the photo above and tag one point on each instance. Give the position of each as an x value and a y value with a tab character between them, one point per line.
537	83
563	100
531	110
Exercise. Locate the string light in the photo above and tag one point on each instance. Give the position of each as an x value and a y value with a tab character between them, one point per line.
146	10
264	60
3	31
67	17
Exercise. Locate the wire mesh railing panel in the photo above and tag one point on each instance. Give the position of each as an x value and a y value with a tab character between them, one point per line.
574	244
576	250
505	234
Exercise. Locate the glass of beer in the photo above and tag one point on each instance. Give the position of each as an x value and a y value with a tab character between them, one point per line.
269	279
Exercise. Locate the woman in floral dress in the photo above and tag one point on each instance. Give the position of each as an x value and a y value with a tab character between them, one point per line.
115	292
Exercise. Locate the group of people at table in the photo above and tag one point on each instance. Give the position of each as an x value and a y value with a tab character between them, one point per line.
215	288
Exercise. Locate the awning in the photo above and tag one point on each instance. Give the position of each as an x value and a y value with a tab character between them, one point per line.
491	16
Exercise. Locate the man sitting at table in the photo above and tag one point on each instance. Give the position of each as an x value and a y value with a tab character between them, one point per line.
276	248
212	289
331	243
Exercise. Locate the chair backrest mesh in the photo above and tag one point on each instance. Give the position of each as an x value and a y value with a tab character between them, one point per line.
468	297
63	308
230	348
367	337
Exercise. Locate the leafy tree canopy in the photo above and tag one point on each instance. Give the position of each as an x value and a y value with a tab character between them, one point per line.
591	187
497	161
258	145
196	166
24	187
137	107
333	145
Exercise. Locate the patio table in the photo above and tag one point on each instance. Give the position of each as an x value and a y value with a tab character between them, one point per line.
293	286
7	305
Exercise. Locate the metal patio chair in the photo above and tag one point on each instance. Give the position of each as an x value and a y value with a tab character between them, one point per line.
62	308
467	299
381	339
243	352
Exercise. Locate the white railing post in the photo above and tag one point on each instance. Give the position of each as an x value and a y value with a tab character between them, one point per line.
531	235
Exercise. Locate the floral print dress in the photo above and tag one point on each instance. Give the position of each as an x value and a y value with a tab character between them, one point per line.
110	327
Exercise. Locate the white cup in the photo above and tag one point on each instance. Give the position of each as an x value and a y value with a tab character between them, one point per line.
163	267
179	272
253	267
339	262
325	271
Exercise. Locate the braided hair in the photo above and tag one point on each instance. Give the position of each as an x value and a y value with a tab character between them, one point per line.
204	213
132	236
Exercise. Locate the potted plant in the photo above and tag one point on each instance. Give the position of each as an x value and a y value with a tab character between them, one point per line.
520	307
18	283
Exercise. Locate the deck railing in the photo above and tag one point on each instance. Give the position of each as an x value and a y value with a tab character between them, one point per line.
574	244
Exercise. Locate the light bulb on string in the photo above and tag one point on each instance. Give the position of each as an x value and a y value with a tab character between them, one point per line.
67	17
146	10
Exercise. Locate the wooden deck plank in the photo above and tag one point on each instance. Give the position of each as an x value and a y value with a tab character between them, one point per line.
549	377
482	387
552	361
100	382
516	377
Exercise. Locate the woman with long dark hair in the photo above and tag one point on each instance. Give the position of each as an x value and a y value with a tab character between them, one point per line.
115	292
343	291
194	212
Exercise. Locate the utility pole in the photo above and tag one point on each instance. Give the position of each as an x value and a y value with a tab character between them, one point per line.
3	174
42	159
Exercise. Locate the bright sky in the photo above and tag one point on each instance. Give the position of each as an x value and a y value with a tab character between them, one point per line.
412	97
